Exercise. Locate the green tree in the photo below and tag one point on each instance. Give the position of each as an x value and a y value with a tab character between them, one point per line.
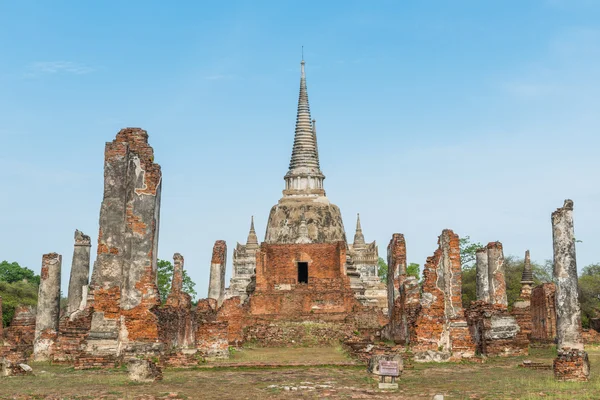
467	251
413	270
15	294
589	293
382	270
13	272
18	286
163	280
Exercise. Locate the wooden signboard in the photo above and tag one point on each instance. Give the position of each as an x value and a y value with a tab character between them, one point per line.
388	368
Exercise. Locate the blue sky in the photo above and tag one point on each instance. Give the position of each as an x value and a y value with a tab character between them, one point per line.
477	116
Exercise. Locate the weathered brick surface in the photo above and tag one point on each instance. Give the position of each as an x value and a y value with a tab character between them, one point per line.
72	336
497	281
212	339
176	326
590	336
441	326
543	313
19	335
495	331
123	288
572	365
218	263
403	294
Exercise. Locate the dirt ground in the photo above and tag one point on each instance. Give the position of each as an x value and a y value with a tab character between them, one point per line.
498	378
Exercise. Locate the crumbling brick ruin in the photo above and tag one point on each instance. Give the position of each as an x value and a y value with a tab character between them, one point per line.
403	294
441	331
123	286
571	363
543	313
305	284
495	331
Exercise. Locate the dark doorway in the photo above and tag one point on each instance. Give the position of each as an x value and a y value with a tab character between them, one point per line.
302	272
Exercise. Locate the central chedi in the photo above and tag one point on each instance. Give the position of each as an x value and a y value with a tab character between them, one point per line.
304	216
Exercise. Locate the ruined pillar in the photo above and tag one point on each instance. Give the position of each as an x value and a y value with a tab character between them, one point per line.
483	282
571	363
396	258
403	294
123	284
177	281
80	271
441	328
48	307
497	285
177	297
216	286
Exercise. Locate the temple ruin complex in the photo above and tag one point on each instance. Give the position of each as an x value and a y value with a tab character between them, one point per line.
304	284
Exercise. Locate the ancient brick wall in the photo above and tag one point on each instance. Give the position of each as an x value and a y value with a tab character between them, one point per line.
278	295
543	313
441	330
278	263
19	335
495	331
212	339
72	337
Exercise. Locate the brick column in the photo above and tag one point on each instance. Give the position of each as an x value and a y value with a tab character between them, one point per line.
48	307
495	257
572	363
483	282
216	286
80	270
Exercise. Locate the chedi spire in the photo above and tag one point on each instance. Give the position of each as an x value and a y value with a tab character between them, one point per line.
359	238
304	177
252	241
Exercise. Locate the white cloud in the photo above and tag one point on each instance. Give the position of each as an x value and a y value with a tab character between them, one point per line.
55	67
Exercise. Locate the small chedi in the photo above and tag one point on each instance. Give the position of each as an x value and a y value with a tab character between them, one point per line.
304	284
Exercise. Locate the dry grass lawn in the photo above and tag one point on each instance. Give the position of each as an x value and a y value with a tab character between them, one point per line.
498	378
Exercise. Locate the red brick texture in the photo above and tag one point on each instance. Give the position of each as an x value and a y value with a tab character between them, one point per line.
441	325
19	335
543	313
494	331
278	295
572	365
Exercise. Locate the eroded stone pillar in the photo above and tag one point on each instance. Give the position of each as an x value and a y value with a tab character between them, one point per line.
572	363
177	297
123	284
497	285
216	286
80	271
48	307
177	281
483	282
